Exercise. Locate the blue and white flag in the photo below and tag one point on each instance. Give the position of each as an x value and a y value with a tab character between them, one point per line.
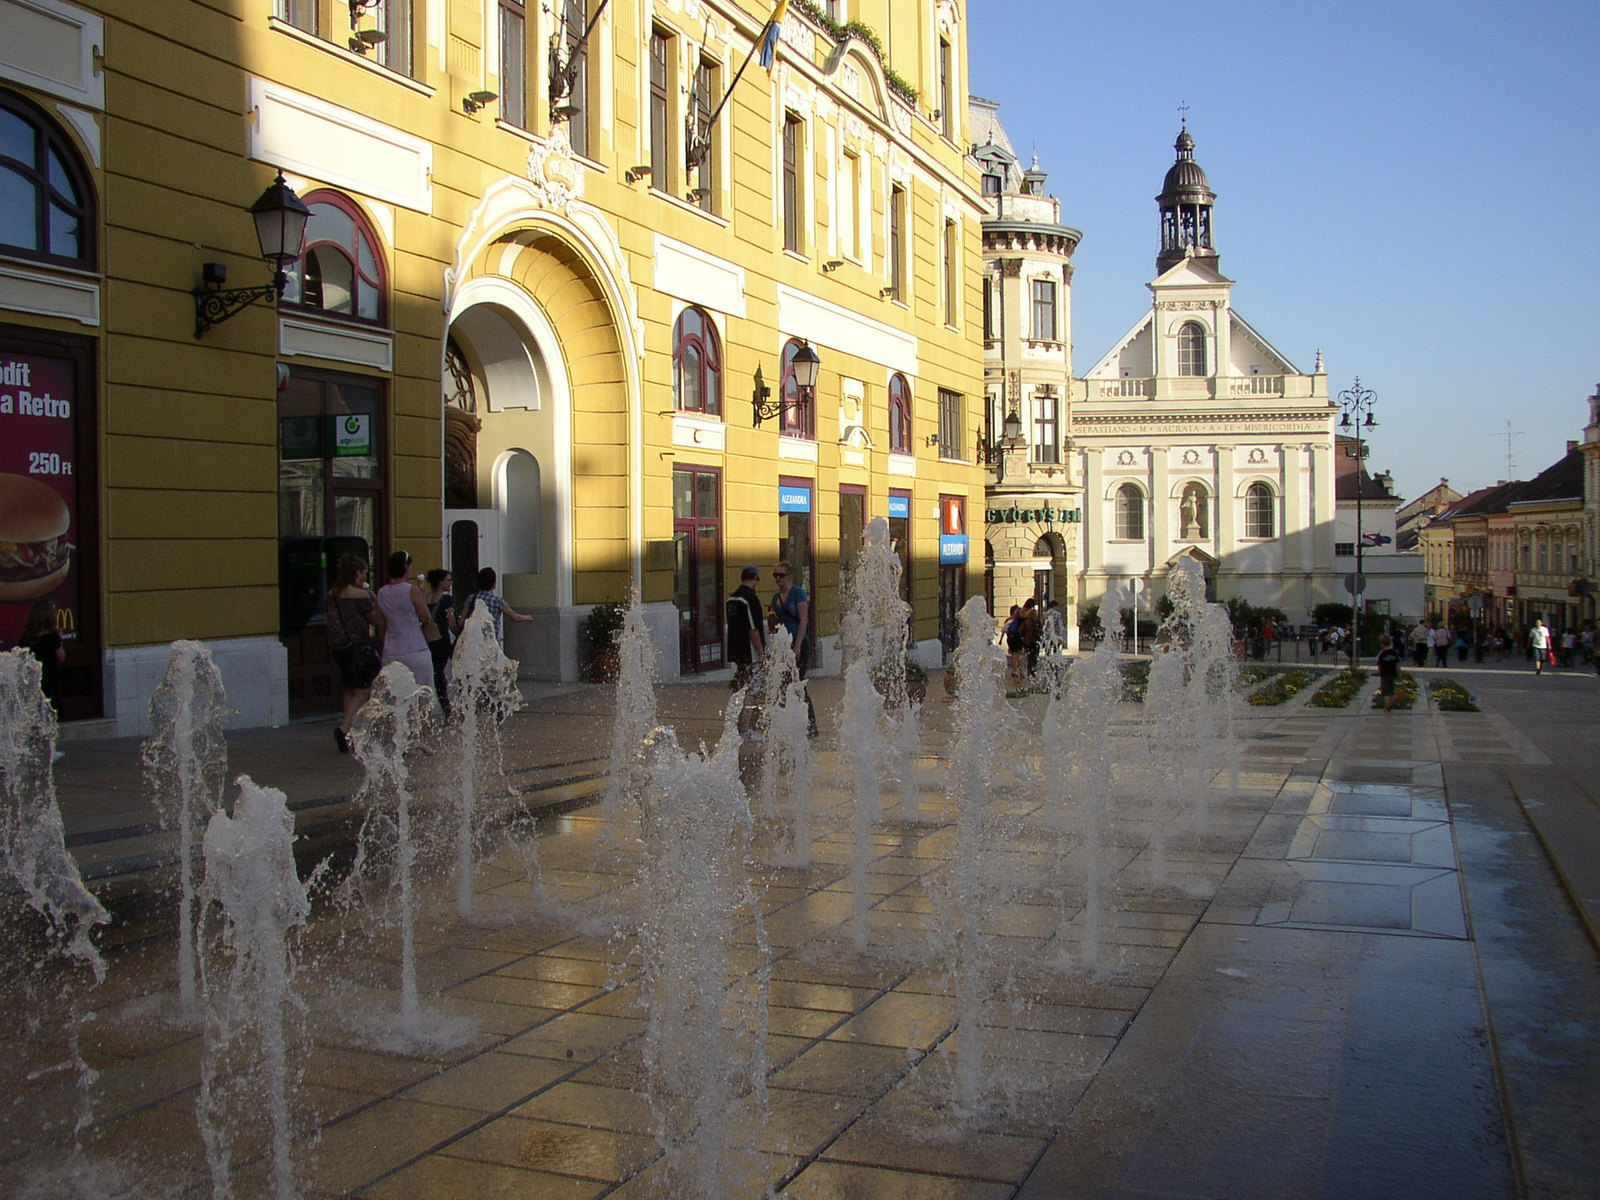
771	35
1376	539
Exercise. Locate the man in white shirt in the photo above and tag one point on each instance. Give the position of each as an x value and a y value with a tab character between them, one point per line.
1539	643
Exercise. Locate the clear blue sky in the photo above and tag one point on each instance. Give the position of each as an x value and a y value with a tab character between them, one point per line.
1414	187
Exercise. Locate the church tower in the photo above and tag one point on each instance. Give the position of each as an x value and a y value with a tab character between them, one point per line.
1186	199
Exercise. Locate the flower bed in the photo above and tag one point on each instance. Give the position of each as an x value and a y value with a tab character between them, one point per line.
1135	680
1282	686
1339	690
1405	692
1450	696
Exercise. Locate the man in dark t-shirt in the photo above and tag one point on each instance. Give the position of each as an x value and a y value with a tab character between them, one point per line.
1388	671
746	642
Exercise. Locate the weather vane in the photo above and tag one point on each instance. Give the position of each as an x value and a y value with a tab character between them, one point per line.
1183	112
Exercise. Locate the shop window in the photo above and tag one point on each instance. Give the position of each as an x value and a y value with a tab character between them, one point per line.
799	416
899	415
1260	512
696	363
46	203
1130	513
341	270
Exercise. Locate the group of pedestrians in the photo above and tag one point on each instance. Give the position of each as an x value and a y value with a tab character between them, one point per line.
409	620
1029	629
747	638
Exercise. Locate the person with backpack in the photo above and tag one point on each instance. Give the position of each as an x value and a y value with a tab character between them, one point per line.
746	645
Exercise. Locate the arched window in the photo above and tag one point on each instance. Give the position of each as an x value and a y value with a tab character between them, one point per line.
1130	513
341	270
696	363
1192	349
46	204
899	414
1260	512
799	416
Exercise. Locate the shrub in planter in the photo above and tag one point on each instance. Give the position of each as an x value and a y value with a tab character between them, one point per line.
1282	686
1405	692
600	631
916	681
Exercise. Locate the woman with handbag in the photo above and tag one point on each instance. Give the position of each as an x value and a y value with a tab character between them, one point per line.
404	615
446	627
353	621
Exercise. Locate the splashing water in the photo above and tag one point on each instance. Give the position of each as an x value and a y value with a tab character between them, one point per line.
1093	690
859	741
483	682
786	756
969	892
185	767
32	838
635	718
245	1065
396	718
705	1042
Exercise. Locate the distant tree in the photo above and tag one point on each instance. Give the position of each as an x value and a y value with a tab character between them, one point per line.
1333	613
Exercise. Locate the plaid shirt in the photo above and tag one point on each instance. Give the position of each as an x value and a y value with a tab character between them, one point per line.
496	606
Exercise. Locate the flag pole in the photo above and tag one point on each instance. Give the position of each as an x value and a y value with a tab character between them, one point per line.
700	141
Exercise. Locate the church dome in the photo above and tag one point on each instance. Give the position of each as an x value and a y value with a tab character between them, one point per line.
1186	179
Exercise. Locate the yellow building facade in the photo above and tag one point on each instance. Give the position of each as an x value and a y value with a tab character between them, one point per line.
544	319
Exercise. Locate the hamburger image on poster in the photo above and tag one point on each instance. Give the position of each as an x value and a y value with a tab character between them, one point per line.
35	555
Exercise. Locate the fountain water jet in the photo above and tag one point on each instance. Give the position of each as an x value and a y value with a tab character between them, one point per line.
705	1042
396	718
259	899
633	723
484	683
32	838
969	892
786	752
185	765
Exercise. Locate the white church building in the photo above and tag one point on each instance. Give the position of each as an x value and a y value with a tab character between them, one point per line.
1195	437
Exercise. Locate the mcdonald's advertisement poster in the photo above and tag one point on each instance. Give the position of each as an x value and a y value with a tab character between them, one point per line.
38	493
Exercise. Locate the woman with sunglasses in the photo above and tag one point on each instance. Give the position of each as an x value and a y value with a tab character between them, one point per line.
791	608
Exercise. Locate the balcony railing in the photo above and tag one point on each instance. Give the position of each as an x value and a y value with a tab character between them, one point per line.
1256	385
1122	389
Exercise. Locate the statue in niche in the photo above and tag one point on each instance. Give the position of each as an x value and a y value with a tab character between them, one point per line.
1194	510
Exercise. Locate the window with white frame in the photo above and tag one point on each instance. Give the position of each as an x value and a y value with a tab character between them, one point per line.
1260	512
1046	427
1044	310
1129	524
1192	349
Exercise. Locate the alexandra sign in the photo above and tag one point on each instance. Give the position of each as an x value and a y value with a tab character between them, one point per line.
1027	516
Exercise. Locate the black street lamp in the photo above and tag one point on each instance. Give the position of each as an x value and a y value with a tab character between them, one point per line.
807	365
280	218
1357	402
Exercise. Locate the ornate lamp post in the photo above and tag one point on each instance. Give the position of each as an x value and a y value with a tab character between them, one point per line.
1356	402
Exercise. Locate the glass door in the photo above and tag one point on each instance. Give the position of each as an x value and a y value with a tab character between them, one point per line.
696	588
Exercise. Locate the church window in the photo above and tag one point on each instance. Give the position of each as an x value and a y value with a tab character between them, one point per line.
1260	512
1192	349
1130	513
697	364
1044	310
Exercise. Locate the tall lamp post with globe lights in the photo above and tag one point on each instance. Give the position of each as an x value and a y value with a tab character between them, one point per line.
1356	403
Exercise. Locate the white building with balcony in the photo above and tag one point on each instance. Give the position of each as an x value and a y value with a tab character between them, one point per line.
1033	501
1195	438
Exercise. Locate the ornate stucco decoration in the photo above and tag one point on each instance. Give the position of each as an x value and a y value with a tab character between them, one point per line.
556	173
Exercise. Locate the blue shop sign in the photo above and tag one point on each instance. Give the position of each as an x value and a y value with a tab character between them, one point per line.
793	499
899	506
952	548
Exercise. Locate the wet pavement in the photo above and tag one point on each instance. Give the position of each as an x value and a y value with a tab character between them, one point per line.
1373	974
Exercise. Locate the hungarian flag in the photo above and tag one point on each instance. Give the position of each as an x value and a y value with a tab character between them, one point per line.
770	36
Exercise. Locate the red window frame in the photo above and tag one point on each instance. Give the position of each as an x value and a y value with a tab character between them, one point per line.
377	280
899	414
798	418
695	330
